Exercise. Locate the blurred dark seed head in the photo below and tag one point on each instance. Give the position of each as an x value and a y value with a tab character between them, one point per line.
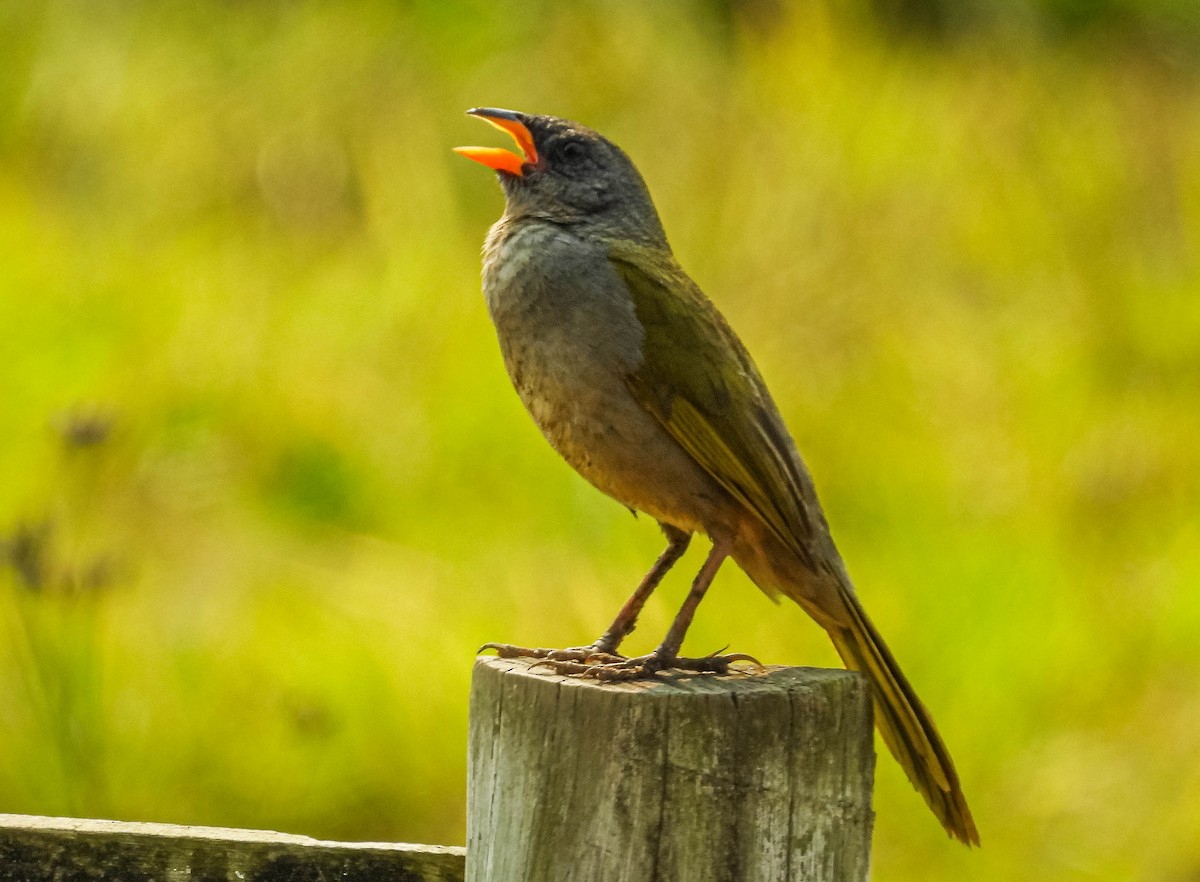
26	552
30	550
85	429
310	717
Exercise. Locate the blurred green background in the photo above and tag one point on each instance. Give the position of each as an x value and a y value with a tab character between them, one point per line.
264	487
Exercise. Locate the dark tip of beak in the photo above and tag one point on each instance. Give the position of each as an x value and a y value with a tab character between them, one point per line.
496	113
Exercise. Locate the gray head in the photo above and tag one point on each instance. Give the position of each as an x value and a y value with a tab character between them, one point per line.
568	174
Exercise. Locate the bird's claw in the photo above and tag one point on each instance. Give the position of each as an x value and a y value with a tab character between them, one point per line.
572	654
647	667
735	657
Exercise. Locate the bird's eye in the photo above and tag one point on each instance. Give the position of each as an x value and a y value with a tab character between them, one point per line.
570	151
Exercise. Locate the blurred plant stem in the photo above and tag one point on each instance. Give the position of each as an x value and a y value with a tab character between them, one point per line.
57	639
58	586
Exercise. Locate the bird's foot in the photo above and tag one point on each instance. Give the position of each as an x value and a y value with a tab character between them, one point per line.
599	664
647	667
579	655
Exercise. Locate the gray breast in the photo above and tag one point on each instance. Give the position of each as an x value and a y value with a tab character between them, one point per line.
567	330
570	337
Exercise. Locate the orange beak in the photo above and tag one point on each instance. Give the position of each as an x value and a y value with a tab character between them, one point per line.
497	157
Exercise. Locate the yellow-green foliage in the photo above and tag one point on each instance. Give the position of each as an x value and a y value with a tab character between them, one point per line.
264	488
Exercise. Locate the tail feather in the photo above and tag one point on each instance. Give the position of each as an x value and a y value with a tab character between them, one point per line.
905	724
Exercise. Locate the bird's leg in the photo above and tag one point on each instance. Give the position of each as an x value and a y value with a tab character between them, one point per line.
605	648
626	620
667	653
666	657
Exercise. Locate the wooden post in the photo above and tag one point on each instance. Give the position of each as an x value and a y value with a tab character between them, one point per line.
743	778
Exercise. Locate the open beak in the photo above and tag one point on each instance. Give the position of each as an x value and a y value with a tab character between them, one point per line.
497	157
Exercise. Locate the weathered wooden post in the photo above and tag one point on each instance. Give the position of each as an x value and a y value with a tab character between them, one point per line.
744	778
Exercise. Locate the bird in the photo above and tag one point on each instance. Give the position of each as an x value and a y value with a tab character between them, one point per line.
639	382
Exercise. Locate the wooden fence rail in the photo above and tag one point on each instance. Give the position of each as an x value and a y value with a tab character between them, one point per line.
745	778
35	849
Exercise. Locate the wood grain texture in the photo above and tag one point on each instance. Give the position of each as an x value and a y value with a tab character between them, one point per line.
743	778
33	849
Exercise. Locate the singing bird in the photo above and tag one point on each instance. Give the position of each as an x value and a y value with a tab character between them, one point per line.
640	384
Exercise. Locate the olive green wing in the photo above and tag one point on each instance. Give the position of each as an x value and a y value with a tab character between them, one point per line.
697	379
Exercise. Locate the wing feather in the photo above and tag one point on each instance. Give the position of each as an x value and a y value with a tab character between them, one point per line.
698	380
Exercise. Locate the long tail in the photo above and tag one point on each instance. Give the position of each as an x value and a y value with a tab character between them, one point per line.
905	724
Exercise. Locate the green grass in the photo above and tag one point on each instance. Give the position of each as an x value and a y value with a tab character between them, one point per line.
239	259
